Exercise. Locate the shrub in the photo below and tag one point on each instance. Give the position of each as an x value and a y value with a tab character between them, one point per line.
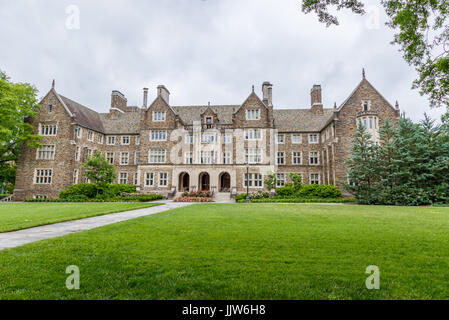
286	192
259	195
296	181
3	196
241	196
89	190
118	189
77	198
198	194
141	197
301	200
192	199
318	191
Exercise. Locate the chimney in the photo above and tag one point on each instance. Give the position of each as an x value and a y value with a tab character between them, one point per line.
118	101
317	104
163	93
267	90
145	98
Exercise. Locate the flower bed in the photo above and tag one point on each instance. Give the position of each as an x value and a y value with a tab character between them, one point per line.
198	196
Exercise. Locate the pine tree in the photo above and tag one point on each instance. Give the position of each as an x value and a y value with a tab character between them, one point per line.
362	177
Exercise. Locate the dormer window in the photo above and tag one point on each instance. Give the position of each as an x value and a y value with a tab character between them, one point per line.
253	114
159	116
209	122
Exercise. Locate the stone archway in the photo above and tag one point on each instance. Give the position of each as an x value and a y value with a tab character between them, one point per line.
204	181
184	182
225	182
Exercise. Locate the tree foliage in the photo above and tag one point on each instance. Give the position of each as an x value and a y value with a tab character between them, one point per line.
422	33
270	181
99	170
409	166
18	103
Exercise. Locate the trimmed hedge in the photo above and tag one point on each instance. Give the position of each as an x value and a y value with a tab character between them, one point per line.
92	190
301	200
318	191
81	198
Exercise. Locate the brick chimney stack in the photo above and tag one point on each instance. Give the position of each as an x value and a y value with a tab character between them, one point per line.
163	92
118	101
316	100
267	90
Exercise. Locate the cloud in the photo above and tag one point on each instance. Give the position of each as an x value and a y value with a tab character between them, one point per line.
212	50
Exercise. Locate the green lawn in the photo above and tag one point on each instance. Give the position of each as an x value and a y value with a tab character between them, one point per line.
240	251
16	216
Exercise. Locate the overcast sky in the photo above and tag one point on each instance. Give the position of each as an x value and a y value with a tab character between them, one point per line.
201	50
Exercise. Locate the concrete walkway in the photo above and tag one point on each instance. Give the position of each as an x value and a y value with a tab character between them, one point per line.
21	237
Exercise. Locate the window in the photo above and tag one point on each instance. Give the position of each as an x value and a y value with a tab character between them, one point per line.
46	152
280	138
227	158
207	138
227	138
296	138
137	140
365	105
88	153
314	178
137	158
124	158
188	158
77	153
159	116
208	120
280	179
78	132
208	157
189	139
157	156
313	138
49	129
149	179
253	155
99	138
123	178
43	176
280	158
111	141
50	108
110	157
163	179
158	135
296	157
314	157
75	176
255	180
90	135
253	134
253	114
136	178
126	140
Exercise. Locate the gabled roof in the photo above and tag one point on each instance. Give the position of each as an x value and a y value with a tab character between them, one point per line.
83	115
189	114
252	94
364	80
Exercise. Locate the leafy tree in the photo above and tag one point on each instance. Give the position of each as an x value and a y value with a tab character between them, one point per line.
18	103
99	170
422	34
296	180
362	172
270	181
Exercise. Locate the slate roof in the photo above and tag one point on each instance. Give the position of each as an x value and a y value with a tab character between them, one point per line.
290	120
188	114
301	119
83	115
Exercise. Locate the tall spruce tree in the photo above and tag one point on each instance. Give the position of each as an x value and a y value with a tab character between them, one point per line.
362	171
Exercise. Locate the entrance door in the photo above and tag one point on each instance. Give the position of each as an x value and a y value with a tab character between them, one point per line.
184	182
225	182
204	181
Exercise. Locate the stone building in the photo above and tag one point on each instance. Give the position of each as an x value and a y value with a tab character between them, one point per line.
168	149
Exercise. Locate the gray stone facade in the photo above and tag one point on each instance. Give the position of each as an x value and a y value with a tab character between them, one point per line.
168	149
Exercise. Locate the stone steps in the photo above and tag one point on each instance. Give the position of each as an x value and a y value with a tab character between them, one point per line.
222	196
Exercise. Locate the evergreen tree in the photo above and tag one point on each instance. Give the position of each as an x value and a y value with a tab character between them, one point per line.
362	175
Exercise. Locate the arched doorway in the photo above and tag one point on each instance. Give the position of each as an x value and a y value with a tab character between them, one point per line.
225	182
204	181
184	182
